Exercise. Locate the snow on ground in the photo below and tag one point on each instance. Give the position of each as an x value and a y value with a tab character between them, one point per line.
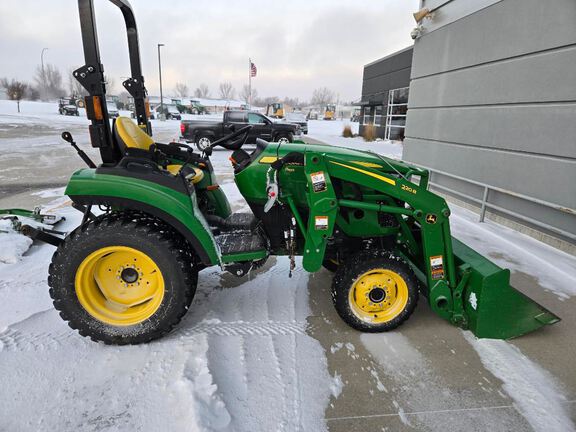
331	132
415	380
536	394
13	244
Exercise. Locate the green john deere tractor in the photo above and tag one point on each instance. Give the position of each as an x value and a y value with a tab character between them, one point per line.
128	275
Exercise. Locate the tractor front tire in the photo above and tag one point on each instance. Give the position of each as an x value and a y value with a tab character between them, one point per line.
123	279
375	292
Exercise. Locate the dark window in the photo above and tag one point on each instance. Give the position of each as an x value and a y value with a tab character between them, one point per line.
236	117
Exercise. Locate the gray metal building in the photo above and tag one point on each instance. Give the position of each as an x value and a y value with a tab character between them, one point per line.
385	94
492	109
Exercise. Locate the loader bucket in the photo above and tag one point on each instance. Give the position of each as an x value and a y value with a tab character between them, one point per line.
495	309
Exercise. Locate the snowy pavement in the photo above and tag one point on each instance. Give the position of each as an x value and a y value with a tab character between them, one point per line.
269	353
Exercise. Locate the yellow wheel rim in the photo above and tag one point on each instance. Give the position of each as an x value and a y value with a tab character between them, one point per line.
378	296
119	285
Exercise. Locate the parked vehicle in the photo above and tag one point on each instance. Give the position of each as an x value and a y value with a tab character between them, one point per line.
330	112
67	106
204	133
312	115
300	119
275	110
112	109
170	112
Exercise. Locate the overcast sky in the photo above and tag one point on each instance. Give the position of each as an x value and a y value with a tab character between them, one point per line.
297	45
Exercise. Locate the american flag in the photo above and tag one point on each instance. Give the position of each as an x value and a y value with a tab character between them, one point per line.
253	70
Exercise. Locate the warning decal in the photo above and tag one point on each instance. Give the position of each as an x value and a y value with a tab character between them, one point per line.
321	223
437	267
318	181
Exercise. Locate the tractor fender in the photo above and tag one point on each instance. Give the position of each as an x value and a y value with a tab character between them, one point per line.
179	210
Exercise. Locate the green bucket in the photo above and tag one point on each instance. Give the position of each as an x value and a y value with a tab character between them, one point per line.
493	308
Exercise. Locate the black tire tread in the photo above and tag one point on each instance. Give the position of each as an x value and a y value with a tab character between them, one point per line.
147	226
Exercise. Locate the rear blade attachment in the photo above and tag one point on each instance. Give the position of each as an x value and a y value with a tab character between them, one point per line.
493	308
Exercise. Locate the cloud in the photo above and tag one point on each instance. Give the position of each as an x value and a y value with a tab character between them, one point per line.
298	45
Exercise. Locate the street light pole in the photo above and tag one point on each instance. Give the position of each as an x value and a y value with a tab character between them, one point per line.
43	73
162	115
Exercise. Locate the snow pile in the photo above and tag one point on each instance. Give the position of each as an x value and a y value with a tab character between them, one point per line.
534	391
14	245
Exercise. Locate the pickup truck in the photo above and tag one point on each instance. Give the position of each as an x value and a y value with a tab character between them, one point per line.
203	133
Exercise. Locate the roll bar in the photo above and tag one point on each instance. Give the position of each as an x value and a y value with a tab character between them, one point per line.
91	77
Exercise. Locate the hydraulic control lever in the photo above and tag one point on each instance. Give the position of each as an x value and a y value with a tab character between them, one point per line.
67	136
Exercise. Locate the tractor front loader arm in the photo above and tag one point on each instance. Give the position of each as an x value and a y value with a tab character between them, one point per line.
463	287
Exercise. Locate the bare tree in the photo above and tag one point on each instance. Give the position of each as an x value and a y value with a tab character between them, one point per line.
110	84
74	87
14	89
49	81
293	102
32	93
265	101
181	90
202	91
322	96
245	93
227	90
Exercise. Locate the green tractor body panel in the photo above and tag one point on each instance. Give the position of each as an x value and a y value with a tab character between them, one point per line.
175	207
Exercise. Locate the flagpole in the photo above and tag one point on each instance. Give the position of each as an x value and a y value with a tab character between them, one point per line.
250	82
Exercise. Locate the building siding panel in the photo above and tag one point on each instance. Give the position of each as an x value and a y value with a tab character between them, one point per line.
543	129
447	11
506	29
541	77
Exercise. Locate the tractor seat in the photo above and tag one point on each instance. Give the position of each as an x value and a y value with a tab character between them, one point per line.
129	135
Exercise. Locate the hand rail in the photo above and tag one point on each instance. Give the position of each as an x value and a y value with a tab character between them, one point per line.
485	204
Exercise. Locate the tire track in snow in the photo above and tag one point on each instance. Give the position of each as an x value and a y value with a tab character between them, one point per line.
14	339
276	359
267	354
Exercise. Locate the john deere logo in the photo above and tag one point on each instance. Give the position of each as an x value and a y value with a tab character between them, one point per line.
431	218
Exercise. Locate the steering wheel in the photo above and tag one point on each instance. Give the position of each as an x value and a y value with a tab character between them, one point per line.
234	141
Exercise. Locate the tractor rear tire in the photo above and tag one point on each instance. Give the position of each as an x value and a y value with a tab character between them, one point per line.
123	279
375	292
